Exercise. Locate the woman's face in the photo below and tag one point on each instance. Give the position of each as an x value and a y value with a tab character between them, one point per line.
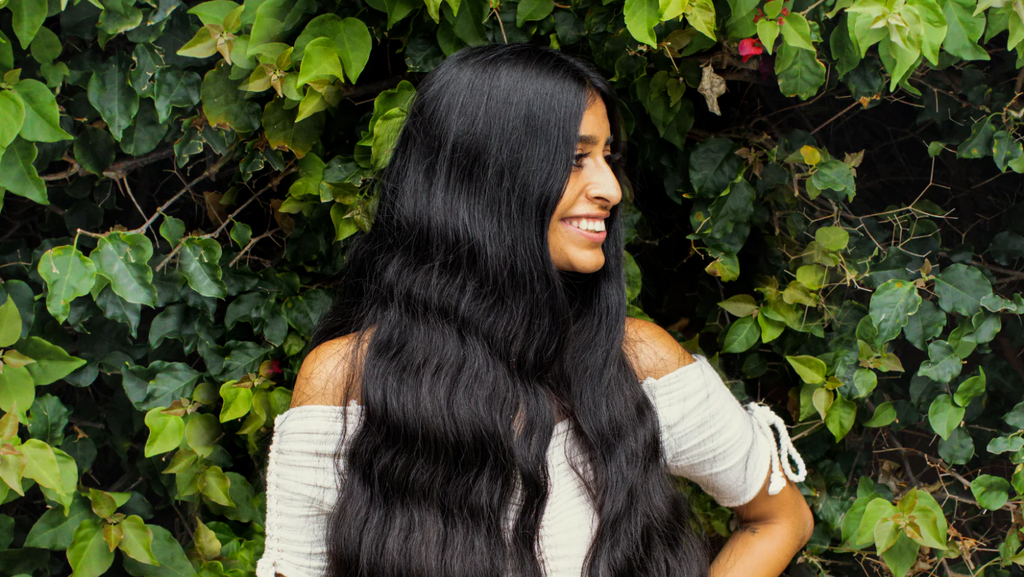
577	228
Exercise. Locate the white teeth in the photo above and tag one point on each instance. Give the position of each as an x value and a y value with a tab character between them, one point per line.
589	225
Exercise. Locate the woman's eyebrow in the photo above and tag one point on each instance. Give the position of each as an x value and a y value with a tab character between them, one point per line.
591	140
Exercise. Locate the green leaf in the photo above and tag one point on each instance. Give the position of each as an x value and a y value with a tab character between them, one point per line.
875	511
884	415
41	464
213	11
202	432
354	43
981	141
767	33
123	259
18	174
713	165
143	136
119	16
641	17
207	544
742	335
900	557
799	72
225	105
834	175
930	520
12	109
137	541
52	363
1015	418
925	325
892	305
832	237
95	149
16	386
200	263
45	46
28	17
944	416
47	420
1004	444
811	370
385	135
320	61
10	323
961	287
701	15
274	19
959	448
172	229
165	432
303	312
344	225
111	95
812	276
241	233
216	486
970	389
88	554
175	88
1005	149
865	380
54	530
533	10
840	417
168	552
398	9
964	30
159	384
739	305
991	492
237	401
68	274
202	45
796	32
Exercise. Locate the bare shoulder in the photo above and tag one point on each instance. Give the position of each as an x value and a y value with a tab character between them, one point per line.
325	372
653	351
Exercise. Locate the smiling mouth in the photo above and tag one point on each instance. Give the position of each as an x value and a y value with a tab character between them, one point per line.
595	236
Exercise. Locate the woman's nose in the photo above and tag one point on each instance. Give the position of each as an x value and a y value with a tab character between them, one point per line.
604	187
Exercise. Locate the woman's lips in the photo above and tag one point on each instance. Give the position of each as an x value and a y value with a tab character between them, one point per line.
591	236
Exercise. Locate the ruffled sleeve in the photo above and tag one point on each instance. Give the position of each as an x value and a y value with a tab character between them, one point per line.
302	487
711	439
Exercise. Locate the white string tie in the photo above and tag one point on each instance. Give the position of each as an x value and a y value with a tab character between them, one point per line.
765	418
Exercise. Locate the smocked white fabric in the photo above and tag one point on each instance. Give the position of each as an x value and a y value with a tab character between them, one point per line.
707	435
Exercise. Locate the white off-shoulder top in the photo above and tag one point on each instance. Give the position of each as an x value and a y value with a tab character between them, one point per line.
707	437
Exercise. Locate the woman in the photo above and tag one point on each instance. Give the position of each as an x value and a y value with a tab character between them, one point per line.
477	383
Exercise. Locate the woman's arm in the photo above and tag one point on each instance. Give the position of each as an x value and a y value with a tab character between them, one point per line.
773	529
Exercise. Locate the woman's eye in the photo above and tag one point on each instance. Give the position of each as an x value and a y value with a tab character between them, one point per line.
613	159
578	159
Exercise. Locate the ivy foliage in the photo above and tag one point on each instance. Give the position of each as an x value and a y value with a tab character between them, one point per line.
181	177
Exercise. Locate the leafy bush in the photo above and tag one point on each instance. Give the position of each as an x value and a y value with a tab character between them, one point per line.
181	178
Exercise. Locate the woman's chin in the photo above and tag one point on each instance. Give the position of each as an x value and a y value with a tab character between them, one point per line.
585	264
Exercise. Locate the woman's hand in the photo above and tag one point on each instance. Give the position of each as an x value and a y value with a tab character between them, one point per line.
773	529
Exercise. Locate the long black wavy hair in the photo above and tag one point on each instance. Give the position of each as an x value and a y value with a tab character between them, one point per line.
469	345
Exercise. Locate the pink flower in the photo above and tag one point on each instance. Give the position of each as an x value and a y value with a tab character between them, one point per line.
750	47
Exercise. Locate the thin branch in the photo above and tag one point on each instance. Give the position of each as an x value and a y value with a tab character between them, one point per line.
273	184
212	171
252	242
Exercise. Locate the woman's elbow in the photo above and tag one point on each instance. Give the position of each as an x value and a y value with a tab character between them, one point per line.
806	524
